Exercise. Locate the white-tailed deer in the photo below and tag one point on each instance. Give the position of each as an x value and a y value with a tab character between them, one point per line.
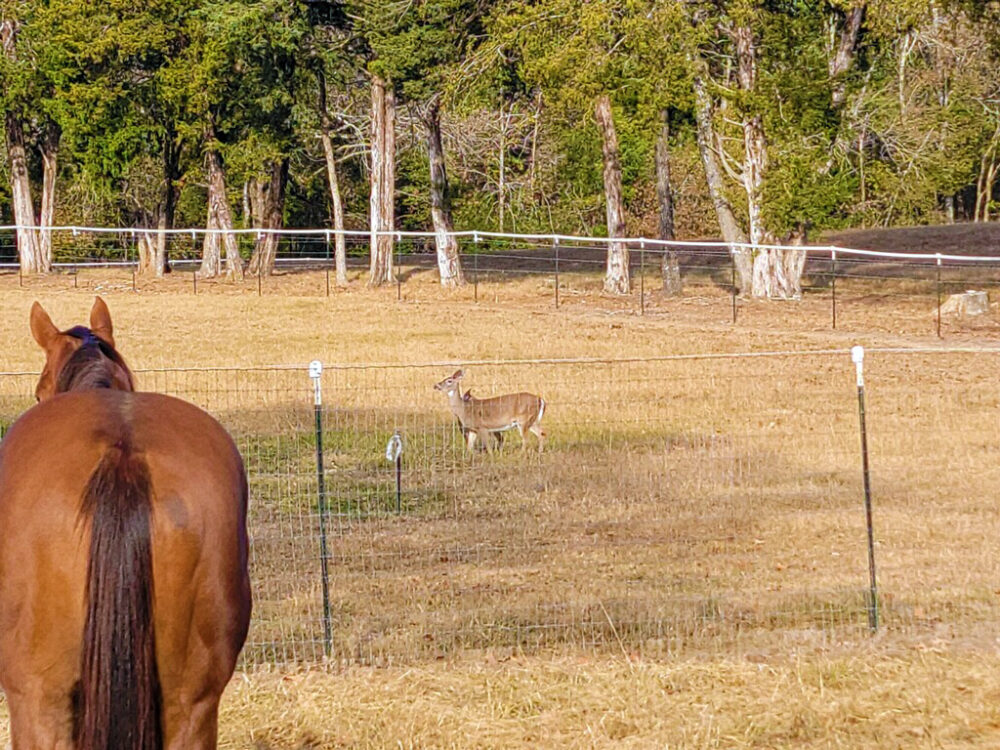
486	418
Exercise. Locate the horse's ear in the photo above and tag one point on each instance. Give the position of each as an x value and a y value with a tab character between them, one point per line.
100	321
42	327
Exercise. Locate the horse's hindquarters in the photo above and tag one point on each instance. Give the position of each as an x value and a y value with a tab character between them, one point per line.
197	520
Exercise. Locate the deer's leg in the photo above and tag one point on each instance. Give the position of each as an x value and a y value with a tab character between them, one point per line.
520	431
486	438
470	439
540	434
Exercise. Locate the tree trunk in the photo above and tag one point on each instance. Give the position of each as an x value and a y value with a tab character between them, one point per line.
729	227
906	44
383	182
22	208
257	201
534	141
160	253
838	66
211	257
616	275
776	272
949	208
449	265
985	179
220	217
247	211
145	244
794	261
843	59
339	240
265	251
754	144
50	164
171	175
28	247
989	182
670	268
152	246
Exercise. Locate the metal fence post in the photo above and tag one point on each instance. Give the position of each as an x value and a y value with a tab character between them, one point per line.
134	245
555	246
399	268
858	357
938	256
833	288
316	373
732	258
642	277
475	266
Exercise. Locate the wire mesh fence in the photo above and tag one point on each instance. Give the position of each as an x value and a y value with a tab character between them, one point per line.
681	504
842	286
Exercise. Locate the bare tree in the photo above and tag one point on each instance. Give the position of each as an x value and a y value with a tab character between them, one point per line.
846	50
616	275
336	204
28	245
265	251
768	263
449	264
730	228
763	270
50	159
220	217
383	179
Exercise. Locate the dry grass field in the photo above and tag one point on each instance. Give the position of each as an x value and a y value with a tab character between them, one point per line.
683	567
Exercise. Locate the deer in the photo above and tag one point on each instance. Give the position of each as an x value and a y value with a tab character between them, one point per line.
489	418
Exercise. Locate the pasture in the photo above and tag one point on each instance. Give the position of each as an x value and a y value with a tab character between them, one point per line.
684	566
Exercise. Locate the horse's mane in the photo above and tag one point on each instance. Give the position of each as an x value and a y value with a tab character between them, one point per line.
92	365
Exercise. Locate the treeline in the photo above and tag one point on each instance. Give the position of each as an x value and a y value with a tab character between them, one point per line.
756	120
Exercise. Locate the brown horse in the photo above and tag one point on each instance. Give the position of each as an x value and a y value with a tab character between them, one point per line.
124	594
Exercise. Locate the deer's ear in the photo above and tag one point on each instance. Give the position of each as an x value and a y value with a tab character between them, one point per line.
458	374
100	321
42	327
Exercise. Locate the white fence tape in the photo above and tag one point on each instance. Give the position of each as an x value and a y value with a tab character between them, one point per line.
478	235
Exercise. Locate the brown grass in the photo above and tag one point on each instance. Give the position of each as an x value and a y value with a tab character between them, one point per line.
871	698
716	498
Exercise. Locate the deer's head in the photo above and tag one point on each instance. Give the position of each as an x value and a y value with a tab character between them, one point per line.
450	384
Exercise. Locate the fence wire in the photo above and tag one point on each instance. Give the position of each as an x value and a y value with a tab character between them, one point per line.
680	504
841	288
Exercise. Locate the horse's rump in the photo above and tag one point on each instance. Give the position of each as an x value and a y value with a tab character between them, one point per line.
103	493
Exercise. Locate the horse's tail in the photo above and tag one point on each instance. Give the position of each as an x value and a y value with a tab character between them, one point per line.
119	696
